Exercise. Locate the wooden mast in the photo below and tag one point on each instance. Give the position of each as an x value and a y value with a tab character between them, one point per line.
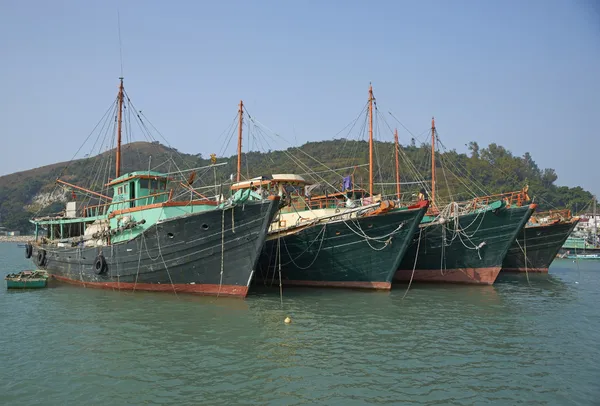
119	124
397	164
239	161
595	225
371	140
432	161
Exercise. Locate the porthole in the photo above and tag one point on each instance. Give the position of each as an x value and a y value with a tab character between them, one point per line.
170	235
205	226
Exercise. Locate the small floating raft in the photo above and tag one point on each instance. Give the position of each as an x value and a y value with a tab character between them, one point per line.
27	280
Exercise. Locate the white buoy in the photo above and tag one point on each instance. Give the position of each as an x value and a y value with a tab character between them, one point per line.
287	320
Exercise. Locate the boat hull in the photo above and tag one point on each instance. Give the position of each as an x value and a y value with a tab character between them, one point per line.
474	258
39	283
341	253
212	252
542	243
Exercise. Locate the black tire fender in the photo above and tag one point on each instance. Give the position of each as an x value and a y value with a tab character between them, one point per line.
100	265
41	257
28	250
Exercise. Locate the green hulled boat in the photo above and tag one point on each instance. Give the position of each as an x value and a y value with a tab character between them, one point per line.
538	243
346	239
27	280
467	246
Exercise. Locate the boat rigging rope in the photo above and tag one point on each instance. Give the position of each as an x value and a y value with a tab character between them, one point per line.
414	264
461	231
385	240
280	283
160	255
443	256
292	260
232	220
81	267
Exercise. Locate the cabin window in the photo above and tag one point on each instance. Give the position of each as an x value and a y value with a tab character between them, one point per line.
125	189
154	184
132	194
144	183
120	190
163	185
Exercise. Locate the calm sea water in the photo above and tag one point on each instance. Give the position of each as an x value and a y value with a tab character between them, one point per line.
511	343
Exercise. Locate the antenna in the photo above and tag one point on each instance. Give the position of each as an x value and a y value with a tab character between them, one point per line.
120	45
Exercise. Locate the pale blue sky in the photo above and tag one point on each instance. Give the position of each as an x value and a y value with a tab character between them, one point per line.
524	74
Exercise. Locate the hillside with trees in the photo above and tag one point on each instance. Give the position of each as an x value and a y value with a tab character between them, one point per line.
459	176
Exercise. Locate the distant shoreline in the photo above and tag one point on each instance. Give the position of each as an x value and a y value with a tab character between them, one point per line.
16	238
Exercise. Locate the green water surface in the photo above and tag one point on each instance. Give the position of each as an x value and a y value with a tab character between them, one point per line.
511	343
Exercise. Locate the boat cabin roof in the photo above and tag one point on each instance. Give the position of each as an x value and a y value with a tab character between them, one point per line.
138	175
267	180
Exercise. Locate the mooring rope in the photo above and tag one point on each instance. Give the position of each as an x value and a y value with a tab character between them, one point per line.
163	260
222	249
414	264
280	283
525	252
137	273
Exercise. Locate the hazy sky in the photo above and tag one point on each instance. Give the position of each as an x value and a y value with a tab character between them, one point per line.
524	74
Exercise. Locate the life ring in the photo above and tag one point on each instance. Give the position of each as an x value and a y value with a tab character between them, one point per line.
100	265
28	250
41	257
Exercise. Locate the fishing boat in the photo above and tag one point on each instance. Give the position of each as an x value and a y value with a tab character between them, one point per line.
144	235
584	243
27	280
539	241
348	239
464	242
337	243
582	256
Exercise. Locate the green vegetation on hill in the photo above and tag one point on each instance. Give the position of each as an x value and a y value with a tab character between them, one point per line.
459	176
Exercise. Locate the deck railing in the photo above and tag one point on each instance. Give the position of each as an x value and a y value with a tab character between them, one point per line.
103	209
551	216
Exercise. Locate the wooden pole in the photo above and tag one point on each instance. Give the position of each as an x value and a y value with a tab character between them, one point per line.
119	125
371	140
82	189
432	162
397	164
239	161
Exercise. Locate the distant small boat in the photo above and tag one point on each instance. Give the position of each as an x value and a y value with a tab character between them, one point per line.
27	280
582	256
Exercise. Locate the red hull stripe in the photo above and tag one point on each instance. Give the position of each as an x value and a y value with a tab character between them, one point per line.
341	284
475	276
541	270
205	289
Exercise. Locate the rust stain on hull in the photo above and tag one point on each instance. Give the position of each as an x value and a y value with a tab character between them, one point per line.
204	289
340	284
473	276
